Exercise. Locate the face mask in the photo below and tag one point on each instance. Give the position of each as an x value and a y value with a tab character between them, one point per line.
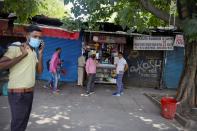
34	42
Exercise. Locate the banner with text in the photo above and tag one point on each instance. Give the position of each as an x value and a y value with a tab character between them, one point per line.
153	43
179	41
109	39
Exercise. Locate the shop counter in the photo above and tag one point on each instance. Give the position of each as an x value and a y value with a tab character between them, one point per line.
105	74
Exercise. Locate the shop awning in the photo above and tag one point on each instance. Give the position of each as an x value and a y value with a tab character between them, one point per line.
49	31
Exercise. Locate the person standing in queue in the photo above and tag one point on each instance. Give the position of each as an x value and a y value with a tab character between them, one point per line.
23	63
81	67
91	72
121	67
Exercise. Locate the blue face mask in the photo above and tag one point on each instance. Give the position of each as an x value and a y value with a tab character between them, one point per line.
35	43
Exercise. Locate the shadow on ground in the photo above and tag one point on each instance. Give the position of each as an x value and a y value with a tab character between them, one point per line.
72	111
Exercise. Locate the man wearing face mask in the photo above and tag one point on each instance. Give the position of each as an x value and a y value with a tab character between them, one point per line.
23	63
91	72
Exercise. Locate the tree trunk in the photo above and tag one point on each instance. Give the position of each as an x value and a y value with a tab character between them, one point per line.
187	91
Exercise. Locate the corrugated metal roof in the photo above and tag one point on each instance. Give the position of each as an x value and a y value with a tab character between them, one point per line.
114	33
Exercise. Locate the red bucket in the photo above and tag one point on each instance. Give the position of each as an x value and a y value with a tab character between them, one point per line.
168	107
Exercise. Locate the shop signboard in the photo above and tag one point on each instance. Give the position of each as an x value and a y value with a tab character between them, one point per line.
109	39
179	41
153	43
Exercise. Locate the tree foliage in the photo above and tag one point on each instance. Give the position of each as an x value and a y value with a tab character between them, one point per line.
52	8
26	9
73	24
190	29
128	12
187	10
139	14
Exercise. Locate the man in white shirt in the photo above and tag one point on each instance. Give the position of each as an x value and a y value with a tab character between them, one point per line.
121	67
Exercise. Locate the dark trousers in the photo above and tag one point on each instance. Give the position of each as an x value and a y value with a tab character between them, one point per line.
90	84
20	104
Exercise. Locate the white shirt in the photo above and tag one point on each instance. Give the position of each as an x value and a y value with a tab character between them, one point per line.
121	63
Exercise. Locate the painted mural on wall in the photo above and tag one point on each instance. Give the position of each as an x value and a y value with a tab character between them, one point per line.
146	68
144	64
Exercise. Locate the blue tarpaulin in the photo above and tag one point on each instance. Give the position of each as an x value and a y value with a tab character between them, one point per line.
71	50
174	67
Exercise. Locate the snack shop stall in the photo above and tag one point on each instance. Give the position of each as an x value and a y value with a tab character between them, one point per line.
106	46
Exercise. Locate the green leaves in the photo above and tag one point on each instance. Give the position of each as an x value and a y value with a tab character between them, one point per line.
128	13
71	24
91	10
190	29
52	8
26	9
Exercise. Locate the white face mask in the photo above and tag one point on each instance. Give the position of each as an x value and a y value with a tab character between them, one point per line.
34	42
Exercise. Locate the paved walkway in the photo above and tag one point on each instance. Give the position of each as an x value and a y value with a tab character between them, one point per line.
72	111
